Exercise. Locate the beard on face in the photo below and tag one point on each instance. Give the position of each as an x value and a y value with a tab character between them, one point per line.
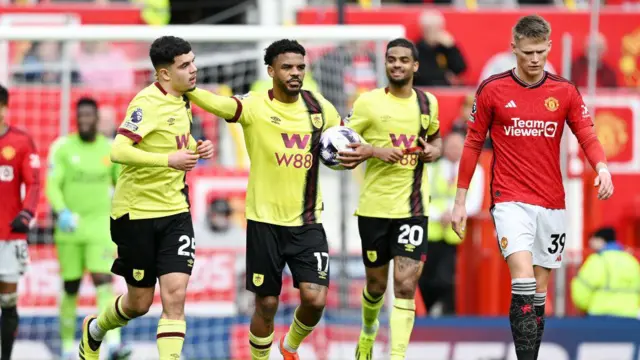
398	82
283	86
88	134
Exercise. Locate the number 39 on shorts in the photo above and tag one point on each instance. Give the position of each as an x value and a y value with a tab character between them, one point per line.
188	247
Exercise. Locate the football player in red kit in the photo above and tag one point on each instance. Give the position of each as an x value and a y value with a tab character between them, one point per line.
525	110
19	164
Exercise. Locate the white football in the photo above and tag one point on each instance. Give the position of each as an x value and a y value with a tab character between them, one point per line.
333	140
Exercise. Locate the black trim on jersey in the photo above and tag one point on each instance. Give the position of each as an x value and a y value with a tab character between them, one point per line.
526	85
492	78
416	204
311	178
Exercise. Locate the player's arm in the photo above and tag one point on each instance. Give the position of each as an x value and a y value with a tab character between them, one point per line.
55	176
228	108
432	147
30	174
478	125
581	125
139	122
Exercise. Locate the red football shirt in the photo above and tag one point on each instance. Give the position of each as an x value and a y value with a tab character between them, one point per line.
526	122
19	164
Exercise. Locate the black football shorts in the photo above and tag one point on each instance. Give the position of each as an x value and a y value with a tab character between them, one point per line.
269	247
384	239
150	248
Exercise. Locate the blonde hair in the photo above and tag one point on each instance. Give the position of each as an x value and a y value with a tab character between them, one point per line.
533	27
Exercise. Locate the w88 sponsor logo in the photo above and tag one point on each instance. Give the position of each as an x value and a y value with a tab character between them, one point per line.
531	128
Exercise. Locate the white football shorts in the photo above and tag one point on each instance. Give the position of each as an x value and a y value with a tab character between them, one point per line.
14	259
525	227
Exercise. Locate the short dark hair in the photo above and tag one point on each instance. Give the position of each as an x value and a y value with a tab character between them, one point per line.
405	43
4	96
87	101
533	27
282	47
164	50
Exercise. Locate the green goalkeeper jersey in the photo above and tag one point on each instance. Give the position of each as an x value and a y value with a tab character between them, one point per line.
80	178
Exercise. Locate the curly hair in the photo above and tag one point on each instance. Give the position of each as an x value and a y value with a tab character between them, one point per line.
164	49
87	101
402	42
282	47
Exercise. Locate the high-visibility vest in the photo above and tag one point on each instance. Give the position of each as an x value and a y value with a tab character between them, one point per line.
442	194
155	12
608	284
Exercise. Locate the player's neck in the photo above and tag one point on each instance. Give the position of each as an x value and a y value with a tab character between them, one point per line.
3	128
403	92
166	86
528	79
283	97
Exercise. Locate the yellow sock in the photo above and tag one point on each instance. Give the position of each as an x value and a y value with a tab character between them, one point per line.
170	338
370	311
401	325
113	316
260	347
297	332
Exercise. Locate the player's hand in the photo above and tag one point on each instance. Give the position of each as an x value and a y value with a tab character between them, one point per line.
389	155
66	221
22	222
603	180
459	219
429	152
183	160
445	39
351	159
205	149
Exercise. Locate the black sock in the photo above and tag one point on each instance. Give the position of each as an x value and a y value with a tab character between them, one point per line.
8	331
522	315
539	301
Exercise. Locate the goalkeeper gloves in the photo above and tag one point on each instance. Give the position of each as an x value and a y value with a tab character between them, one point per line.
22	222
67	221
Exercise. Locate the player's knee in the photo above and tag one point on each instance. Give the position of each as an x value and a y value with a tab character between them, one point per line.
8	301
405	288
138	304
266	306
71	287
101	279
313	301
376	286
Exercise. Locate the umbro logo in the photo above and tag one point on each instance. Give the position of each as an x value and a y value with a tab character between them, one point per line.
511	104
171	121
276	120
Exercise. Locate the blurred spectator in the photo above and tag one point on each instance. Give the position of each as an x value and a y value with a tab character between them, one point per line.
441	62
42	64
344	72
103	66
460	123
219	229
608	283
504	61
605	74
108	121
437	283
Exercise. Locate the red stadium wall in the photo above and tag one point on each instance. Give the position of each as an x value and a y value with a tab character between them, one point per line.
88	13
484	33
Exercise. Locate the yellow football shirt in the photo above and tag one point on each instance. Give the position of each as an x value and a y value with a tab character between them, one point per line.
157	122
399	190
278	137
